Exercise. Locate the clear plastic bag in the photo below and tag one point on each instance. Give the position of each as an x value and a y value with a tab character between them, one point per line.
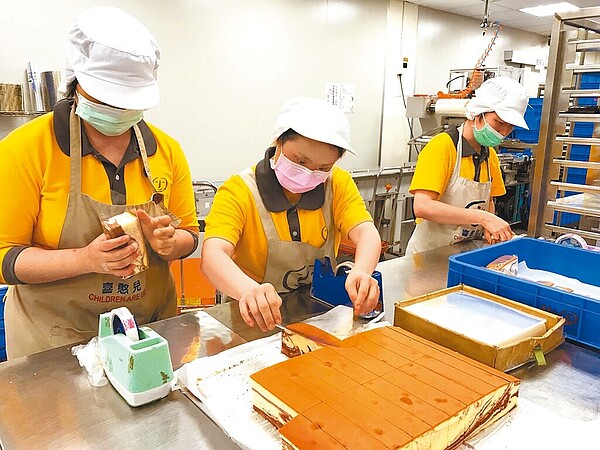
87	354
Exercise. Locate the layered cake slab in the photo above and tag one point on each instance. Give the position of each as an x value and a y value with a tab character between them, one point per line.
381	389
300	338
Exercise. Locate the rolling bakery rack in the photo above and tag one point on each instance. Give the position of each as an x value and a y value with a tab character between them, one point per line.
566	184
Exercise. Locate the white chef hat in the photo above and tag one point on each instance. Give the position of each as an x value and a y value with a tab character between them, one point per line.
502	95
114	58
315	119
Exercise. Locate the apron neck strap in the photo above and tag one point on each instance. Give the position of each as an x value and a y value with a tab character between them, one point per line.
74	153
143	153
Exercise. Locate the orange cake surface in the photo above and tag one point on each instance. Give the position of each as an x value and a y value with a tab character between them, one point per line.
381	389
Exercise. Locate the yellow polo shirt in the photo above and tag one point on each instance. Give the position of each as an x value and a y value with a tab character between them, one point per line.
234	218
436	163
35	173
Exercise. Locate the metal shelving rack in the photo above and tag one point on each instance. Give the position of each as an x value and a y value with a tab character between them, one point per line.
22	113
574	51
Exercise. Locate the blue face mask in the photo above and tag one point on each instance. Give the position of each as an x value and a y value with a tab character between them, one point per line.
487	136
106	119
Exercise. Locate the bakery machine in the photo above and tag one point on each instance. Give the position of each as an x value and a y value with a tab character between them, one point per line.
437	112
434	115
516	174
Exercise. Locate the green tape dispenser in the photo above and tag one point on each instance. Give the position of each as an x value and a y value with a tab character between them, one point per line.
136	360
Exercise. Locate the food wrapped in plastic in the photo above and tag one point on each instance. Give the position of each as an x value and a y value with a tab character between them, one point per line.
507	264
128	223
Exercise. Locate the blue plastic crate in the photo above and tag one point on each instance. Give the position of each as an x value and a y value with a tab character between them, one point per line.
591	78
529	136
566	219
582	314
533	117
587	101
580	152
583	129
536	101
2	342
576	175
3	289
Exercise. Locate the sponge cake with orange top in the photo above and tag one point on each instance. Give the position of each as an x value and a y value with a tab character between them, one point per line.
384	388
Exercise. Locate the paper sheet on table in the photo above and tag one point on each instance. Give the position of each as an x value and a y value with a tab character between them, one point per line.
578	287
531	427
222	382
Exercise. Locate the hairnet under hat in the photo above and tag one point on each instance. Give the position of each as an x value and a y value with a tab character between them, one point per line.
114	58
315	119
502	95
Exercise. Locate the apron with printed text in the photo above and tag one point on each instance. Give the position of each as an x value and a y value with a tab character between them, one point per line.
48	315
461	192
290	264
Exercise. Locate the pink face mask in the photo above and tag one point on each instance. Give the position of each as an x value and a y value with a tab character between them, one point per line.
296	178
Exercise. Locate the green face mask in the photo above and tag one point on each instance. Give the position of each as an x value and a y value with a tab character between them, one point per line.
487	136
107	120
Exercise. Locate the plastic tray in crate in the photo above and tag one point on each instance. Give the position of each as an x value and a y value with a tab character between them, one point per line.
582	314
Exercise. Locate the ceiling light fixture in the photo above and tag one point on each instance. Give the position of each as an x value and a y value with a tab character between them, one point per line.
549	10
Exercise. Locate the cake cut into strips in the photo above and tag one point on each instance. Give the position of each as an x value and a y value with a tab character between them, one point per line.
354	394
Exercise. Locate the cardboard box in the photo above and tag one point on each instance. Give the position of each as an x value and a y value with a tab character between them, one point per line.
502	358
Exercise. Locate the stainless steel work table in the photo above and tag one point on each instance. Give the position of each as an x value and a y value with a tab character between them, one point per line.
46	400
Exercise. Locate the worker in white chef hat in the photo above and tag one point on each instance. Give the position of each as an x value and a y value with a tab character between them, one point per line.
269	223
92	158
458	172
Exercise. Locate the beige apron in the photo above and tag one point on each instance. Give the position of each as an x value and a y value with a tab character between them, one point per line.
48	315
460	192
290	264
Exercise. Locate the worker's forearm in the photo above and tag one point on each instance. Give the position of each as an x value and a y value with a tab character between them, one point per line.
184	245
439	212
37	265
368	247
225	275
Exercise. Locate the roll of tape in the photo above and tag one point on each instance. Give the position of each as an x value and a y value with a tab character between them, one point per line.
451	107
346	265
572	240
123	322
